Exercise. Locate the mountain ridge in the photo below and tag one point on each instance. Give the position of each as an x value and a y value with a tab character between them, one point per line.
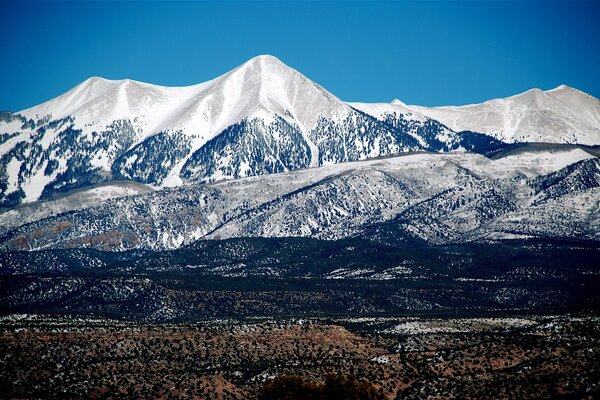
559	115
259	118
428	197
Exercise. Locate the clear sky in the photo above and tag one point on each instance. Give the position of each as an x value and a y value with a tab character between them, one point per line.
423	53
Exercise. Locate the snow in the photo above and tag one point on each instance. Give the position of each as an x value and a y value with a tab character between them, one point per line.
381	359
339	200
265	88
101	160
260	88
266	84
396	110
173	179
392	273
12	170
534	163
459	325
574	214
11	127
380	110
12	142
74	201
34	186
560	115
346	273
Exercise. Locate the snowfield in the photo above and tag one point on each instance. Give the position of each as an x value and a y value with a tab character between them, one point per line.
560	115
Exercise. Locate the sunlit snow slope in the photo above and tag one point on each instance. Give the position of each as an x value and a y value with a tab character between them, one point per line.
560	115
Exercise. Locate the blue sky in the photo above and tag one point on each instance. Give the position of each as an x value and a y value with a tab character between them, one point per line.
424	53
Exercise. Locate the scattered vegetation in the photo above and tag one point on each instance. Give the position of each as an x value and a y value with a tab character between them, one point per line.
335	387
292	359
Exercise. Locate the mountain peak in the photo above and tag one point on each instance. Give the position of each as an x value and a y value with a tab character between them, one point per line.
264	64
265	83
534	92
100	81
559	115
561	87
566	90
264	58
398	102
93	82
267	65
93	79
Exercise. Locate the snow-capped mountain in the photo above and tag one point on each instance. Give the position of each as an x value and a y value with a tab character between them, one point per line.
560	115
429	133
261	117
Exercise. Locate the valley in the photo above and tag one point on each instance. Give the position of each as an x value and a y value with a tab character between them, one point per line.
296	277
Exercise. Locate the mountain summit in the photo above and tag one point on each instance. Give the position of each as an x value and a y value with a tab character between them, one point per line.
559	115
261	85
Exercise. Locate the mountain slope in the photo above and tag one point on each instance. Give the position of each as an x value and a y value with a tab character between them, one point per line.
437	198
560	115
429	133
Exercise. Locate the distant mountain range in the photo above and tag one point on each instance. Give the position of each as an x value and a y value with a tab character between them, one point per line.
261	194
560	115
120	165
